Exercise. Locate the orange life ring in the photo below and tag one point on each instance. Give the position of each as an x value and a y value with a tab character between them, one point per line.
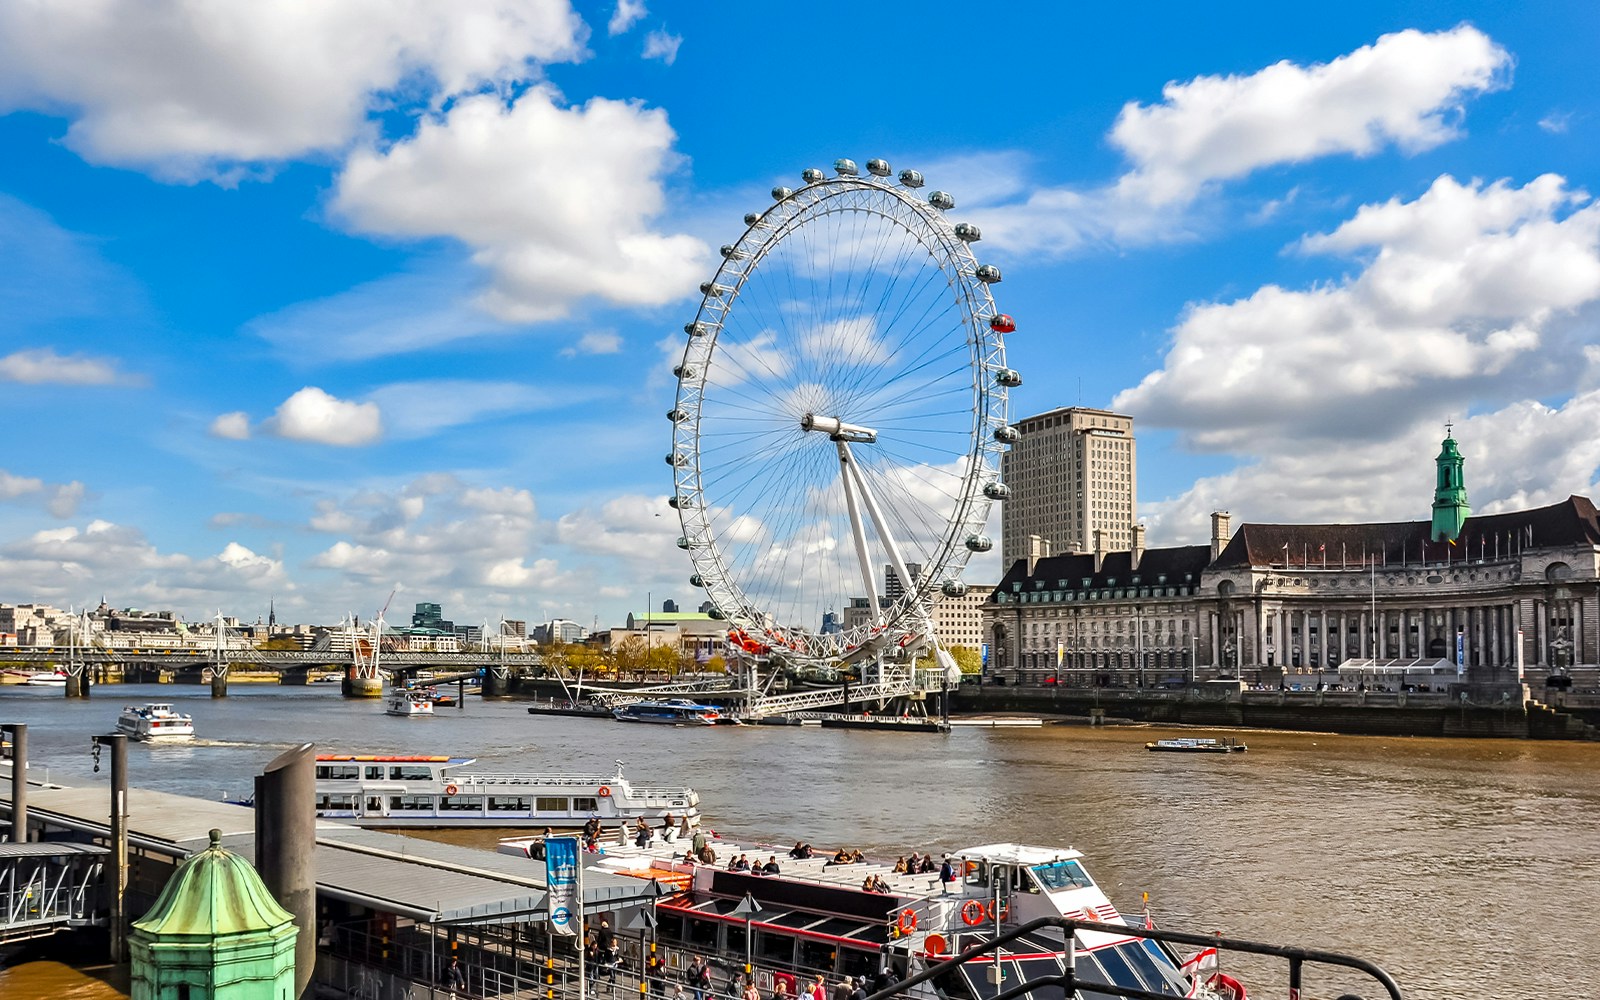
451	789
908	922
972	913
605	791
989	911
936	944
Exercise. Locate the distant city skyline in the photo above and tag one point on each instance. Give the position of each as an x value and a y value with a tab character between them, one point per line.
394	307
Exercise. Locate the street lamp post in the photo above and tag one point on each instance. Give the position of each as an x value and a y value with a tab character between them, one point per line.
749	909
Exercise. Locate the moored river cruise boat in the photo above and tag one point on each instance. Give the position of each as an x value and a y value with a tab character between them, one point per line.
815	916
155	721
438	792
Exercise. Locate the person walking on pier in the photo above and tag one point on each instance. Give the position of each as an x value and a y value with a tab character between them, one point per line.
455	977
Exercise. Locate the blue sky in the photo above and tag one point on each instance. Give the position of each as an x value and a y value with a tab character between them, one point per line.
311	303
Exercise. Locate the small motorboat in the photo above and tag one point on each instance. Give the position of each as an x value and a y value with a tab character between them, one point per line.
1196	745
409	704
155	721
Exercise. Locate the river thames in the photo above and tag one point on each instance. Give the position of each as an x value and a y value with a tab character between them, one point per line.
1466	868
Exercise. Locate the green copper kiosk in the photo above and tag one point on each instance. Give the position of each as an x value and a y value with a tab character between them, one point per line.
215	933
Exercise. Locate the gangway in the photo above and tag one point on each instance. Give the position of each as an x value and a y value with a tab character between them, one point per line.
615	698
47	887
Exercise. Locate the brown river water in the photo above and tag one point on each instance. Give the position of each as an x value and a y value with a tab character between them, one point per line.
1467	868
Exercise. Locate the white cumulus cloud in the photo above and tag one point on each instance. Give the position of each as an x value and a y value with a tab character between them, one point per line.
595	342
1469	292
60	499
233	426
313	415
43	366
556	201
662	45
626	14
1406	90
190	91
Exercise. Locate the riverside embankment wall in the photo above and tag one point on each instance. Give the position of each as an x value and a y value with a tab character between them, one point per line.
1356	713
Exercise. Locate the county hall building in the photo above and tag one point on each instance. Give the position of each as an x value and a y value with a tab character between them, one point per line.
1456	597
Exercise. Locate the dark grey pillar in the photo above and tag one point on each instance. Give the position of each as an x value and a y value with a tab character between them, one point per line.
286	820
119	846
19	781
219	683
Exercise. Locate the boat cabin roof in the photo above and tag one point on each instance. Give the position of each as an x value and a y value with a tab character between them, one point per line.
348	758
1017	854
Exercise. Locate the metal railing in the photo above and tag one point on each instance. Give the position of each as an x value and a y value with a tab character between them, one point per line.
1069	982
42	894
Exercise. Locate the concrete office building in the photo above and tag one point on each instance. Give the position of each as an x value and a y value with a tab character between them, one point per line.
1072	473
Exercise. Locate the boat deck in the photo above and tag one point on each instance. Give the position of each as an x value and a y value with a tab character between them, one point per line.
817	870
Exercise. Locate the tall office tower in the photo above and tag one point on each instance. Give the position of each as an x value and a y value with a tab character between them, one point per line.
1071	474
893	586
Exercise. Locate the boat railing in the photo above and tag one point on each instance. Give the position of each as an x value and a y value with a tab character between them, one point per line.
1068	981
617	787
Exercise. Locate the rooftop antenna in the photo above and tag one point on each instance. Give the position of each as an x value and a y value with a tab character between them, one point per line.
1080	390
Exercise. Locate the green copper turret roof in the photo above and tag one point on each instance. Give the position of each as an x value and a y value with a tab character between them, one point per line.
214	894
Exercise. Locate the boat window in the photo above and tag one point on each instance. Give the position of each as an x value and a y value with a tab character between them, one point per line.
337	772
404	802
1128	965
374	772
507	803
1158	974
1059	875
546	805
585	805
461	803
347	802
405	772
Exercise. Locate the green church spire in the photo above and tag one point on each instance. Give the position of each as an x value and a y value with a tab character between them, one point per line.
1450	507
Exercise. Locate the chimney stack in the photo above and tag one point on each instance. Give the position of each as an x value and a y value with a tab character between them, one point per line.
1138	544
1221	531
1099	549
1038	548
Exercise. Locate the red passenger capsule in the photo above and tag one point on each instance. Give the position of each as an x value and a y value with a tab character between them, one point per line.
1002	323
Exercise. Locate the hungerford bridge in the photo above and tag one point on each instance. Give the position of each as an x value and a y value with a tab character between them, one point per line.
361	675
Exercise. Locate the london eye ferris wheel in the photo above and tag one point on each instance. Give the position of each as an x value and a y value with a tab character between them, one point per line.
841	409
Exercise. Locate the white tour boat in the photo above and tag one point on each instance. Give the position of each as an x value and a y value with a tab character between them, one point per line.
433	792
409	704
47	678
816	915
155	721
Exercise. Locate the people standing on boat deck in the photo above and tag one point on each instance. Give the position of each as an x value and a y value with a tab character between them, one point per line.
947	874
698	843
843	990
818	989
655	971
860	992
780	989
605	946
798	851
641	833
669	829
750	991
771	867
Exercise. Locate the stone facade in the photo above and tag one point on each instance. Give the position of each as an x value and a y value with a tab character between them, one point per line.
1071	474
1302	600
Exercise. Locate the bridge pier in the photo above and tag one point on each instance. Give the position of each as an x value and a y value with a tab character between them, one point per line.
219	683
496	682
361	687
77	684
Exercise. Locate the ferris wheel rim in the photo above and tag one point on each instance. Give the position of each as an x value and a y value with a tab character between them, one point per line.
925	223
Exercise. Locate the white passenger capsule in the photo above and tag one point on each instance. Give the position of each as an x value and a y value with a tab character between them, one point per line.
942	200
